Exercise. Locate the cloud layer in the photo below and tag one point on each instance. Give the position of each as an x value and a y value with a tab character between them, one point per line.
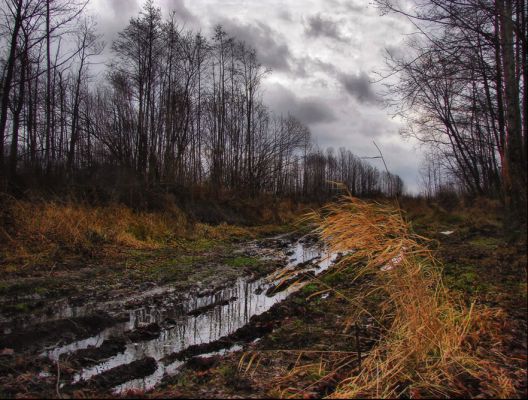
273	52
310	110
323	54
320	26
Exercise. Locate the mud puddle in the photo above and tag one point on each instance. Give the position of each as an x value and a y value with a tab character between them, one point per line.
157	331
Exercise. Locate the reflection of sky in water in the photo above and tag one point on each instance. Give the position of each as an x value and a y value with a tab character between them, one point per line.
246	301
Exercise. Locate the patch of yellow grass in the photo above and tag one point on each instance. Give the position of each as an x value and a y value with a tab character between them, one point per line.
425	349
42	229
37	232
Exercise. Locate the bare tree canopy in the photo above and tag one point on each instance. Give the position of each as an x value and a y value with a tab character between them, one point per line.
462	89
176	109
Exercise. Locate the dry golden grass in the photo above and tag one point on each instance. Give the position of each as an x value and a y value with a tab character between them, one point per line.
427	346
222	231
33	233
40	230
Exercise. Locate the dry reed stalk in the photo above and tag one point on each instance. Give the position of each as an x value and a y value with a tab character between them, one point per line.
423	350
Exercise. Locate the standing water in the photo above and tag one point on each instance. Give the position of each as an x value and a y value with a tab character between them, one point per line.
195	320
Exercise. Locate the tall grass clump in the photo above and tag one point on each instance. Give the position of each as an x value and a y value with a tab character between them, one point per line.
424	350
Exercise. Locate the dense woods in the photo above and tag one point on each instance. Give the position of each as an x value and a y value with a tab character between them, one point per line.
462	89
173	108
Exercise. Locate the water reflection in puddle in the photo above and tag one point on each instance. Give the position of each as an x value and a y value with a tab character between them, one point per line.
237	304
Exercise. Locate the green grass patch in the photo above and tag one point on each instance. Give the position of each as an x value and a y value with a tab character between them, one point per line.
486	242
227	371
333	279
239	262
309	289
170	272
200	245
186	260
464	278
19	308
139	255
451	219
174	269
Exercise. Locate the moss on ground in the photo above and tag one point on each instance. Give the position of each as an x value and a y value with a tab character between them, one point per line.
242	261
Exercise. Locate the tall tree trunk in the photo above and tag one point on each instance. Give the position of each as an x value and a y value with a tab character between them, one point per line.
13	154
6	89
515	184
48	89
75	116
524	63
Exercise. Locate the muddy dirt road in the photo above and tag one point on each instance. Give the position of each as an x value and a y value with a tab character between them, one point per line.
124	340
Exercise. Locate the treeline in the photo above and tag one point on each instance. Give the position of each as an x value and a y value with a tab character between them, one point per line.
463	90
174	109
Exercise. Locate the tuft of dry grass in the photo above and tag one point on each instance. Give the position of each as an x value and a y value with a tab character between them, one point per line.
427	346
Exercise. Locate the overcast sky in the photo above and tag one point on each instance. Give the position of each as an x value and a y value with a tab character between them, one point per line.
324	55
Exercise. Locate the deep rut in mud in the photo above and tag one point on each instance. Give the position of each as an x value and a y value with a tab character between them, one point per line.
152	335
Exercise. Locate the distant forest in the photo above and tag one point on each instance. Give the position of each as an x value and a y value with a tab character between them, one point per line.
174	109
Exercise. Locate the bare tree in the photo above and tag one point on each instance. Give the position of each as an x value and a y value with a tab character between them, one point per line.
461	91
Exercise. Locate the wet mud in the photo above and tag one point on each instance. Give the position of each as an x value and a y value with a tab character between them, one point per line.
54	332
118	345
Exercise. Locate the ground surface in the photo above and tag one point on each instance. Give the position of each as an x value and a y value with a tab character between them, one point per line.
482	263
120	271
42	306
310	345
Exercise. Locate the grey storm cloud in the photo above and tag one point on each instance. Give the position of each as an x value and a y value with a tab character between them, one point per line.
353	6
312	111
319	26
272	51
309	110
358	86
